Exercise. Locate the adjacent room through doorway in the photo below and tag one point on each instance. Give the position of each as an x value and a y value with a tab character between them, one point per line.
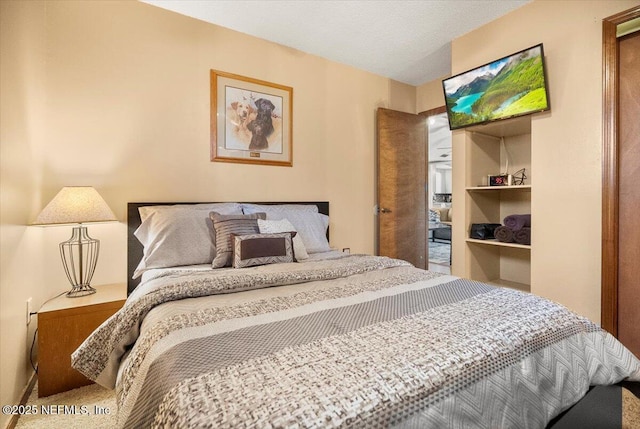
439	195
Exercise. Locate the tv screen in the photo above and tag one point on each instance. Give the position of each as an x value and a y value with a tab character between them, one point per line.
511	86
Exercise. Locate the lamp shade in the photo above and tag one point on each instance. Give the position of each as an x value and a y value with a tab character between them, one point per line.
75	204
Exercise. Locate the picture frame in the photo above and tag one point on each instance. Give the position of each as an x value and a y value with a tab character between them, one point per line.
251	120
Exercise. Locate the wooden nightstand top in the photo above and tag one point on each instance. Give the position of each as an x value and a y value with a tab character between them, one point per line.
105	294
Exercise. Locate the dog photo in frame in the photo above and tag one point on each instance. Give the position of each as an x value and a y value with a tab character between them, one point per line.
251	120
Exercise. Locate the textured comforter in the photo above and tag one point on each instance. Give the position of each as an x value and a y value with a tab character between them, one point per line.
358	341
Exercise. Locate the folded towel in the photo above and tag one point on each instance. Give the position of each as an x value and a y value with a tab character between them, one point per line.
523	236
517	222
504	234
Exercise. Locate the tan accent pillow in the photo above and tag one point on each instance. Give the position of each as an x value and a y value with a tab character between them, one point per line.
262	249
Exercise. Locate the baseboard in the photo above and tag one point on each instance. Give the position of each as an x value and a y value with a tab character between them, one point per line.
23	400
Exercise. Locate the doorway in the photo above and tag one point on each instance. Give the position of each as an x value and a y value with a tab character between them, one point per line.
440	186
405	197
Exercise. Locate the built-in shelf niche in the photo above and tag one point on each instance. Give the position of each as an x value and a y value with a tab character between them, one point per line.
502	265
488	148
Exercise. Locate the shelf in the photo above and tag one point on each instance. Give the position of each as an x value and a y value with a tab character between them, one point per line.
512	285
499	243
505	128
499	188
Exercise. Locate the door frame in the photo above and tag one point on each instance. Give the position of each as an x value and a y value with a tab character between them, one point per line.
436	111
610	177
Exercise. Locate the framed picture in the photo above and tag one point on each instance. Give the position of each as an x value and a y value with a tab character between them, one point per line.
251	120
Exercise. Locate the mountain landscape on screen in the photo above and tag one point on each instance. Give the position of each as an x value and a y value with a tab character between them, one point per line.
508	87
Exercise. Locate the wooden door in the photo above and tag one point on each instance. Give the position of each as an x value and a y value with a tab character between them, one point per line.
629	193
401	182
620	175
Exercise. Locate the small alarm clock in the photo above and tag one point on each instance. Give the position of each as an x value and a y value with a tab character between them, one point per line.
500	180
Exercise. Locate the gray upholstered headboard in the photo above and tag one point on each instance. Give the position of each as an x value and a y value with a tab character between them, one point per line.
134	247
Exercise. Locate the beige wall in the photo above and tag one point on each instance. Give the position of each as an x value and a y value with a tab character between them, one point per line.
430	95
566	143
116	95
22	74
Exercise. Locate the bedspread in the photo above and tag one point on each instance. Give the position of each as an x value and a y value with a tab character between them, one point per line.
360	341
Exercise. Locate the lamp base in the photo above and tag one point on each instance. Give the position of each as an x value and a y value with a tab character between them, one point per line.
79	257
80	290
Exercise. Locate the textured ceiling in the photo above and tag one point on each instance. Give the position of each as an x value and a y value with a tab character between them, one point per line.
408	41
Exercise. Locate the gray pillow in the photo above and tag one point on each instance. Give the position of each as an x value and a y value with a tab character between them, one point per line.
224	227
175	235
310	225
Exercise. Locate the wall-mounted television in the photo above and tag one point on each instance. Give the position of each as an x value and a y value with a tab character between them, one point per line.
512	86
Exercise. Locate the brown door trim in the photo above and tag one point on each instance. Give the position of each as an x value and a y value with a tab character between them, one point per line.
609	299
436	111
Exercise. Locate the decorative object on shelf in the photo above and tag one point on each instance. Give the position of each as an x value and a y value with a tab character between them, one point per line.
517	221
519	177
516	229
504	234
251	120
77	205
483	231
523	236
500	180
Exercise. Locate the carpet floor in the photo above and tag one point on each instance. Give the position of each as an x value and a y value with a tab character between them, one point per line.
86	407
439	253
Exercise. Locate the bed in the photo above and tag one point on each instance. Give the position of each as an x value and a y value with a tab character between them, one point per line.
291	333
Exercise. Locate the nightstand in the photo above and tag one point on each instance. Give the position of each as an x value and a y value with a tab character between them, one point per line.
63	324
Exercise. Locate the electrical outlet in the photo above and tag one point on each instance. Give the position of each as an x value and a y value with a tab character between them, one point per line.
29	310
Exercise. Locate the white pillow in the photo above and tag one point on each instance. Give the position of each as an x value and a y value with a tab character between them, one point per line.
225	208
283	225
311	227
178	235
248	208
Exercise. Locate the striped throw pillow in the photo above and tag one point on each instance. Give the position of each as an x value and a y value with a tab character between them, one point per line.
224	227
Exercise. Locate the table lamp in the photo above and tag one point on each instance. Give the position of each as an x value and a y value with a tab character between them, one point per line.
77	205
